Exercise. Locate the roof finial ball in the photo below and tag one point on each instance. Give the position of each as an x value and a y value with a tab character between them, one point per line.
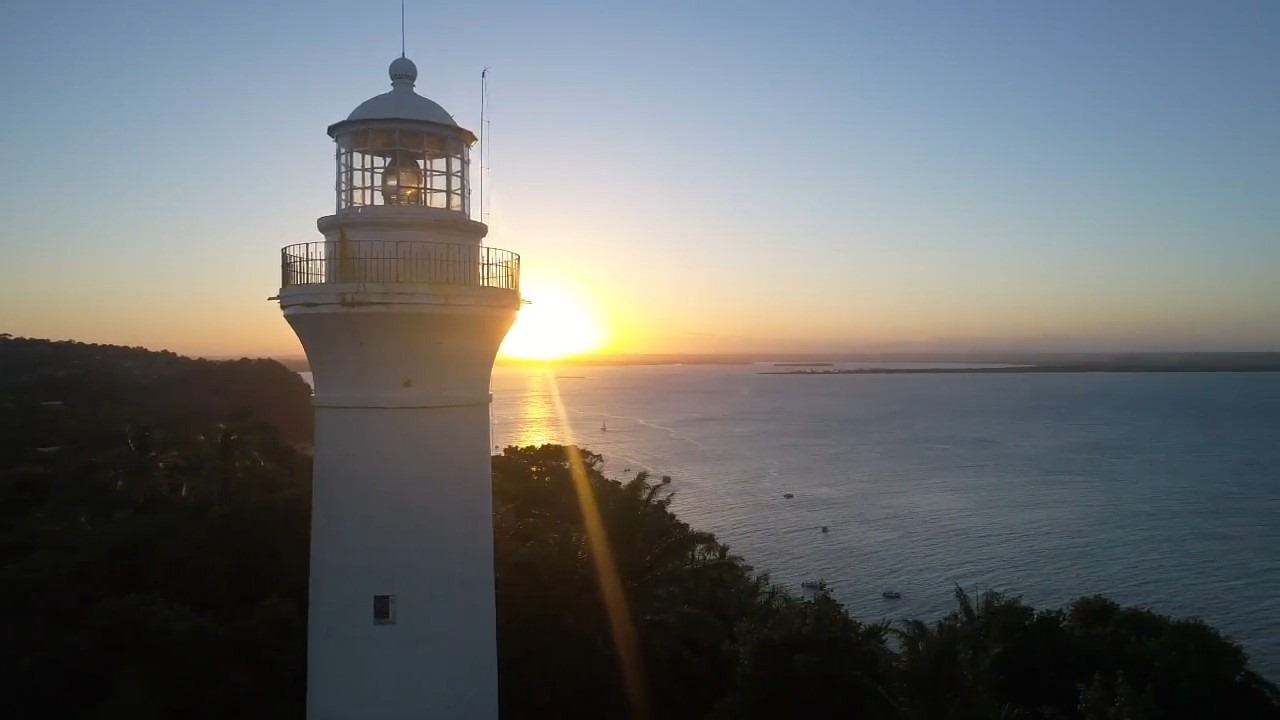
402	71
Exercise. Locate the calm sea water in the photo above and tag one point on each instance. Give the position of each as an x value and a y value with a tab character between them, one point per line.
1160	490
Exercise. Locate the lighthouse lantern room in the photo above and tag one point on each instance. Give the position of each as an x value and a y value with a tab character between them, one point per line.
400	148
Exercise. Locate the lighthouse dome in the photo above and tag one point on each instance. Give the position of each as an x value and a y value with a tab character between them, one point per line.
402	103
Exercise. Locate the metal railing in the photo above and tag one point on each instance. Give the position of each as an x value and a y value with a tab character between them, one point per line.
398	261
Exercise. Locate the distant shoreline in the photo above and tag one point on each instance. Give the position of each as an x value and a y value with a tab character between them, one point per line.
1023	369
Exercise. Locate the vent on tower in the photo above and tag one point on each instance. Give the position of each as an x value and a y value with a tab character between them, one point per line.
384	609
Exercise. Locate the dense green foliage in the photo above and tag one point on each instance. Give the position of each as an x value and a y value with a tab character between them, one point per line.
154	565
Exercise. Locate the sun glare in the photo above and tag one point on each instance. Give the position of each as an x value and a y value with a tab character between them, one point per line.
553	325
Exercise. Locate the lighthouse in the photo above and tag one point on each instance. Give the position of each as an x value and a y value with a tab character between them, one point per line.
400	309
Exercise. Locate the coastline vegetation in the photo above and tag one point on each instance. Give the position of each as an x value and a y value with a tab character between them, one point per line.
154	516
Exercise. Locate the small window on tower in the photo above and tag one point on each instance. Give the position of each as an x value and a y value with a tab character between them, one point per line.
384	609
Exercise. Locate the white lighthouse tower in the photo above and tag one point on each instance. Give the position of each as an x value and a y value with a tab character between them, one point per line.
400	310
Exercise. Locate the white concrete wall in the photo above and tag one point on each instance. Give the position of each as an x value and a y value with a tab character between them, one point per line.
402	503
400	355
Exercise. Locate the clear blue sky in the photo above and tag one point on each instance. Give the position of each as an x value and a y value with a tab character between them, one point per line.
707	175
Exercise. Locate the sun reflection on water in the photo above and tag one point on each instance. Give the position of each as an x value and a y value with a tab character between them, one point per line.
540	420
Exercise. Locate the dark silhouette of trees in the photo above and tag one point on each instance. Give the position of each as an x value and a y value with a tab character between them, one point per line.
153	560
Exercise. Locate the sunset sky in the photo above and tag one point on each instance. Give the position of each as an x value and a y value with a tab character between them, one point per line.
694	176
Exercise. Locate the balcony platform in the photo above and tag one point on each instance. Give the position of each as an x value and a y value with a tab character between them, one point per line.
365	263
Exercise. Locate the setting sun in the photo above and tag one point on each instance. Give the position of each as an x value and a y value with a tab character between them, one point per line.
553	325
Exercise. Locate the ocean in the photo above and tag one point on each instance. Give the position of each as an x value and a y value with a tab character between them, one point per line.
1160	490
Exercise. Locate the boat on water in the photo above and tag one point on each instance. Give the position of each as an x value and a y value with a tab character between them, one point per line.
825	529
891	595
811	584
604	427
788	496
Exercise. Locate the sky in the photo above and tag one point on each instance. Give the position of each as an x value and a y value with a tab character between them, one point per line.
699	176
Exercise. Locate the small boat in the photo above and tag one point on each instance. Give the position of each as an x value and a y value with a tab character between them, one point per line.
788	496
603	426
825	528
891	595
811	584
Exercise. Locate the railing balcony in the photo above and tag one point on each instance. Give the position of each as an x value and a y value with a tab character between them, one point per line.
398	261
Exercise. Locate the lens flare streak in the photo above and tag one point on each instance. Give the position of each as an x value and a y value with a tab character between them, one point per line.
615	599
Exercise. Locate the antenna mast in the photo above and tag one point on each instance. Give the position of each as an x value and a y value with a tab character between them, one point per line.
484	146
401	28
